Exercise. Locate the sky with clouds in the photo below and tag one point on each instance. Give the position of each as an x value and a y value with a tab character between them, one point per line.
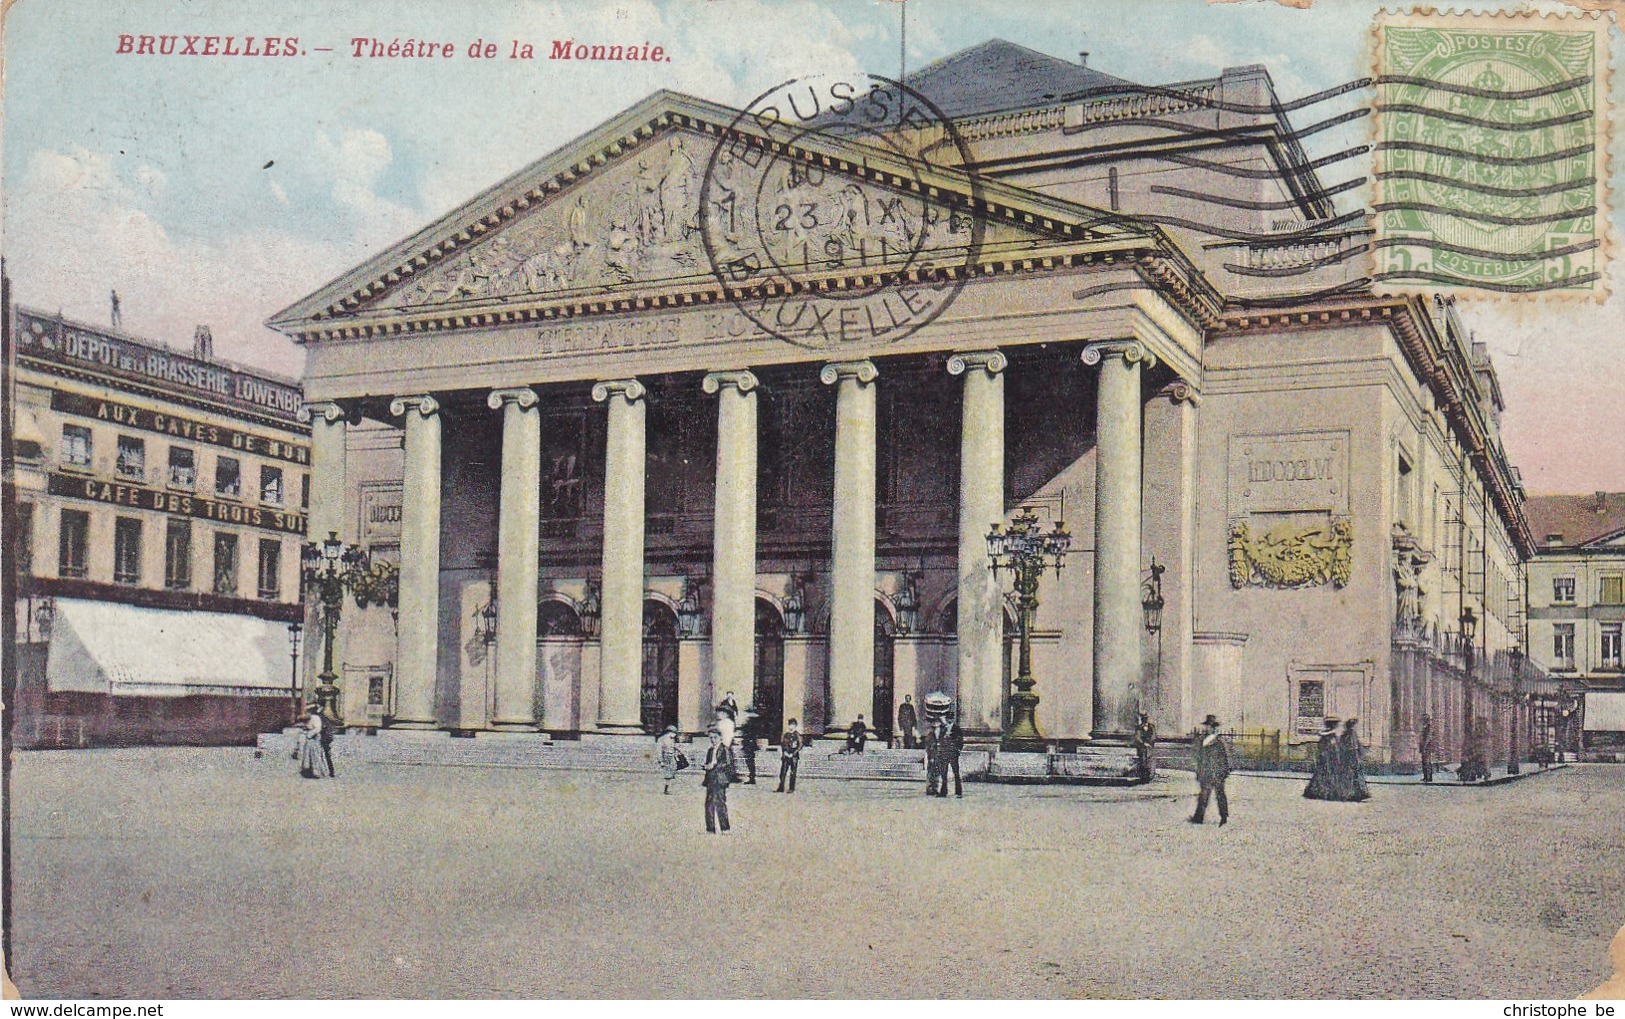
220	190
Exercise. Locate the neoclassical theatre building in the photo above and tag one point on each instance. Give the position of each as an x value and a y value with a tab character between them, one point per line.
695	404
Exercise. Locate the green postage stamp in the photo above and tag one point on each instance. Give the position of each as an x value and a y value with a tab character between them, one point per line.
1491	138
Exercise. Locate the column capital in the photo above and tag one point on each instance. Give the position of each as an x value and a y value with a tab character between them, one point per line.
1131	351
632	389
991	361
424	404
327	410
1180	391
864	371
743	380
523	396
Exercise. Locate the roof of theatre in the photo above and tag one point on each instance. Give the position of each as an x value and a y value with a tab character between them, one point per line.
1569	522
998	75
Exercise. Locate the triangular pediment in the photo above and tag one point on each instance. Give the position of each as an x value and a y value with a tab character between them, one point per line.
618	212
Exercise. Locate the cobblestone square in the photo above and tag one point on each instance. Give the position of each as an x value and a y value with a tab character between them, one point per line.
181	873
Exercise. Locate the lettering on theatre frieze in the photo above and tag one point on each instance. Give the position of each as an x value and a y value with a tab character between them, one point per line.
1294	472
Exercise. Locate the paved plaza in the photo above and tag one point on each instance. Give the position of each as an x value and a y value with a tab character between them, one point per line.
184	872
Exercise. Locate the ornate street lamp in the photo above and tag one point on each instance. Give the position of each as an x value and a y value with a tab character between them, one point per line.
485	623
1515	702
1469	742
45	617
295	629
690	611
1026	552
330	566
1151	604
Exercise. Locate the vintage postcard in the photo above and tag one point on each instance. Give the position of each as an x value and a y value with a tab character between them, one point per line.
748	499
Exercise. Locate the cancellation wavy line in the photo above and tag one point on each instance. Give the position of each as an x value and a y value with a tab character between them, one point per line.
1252	174
1503	256
1244	203
1231	106
1198	131
1504	288
1307	233
1358	286
1482	189
1485	122
1440	150
1484	217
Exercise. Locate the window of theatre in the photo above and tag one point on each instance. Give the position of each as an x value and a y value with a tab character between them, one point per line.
1404	495
76	447
1611	590
73	543
126	550
1563	645
178	554
1562	590
225	564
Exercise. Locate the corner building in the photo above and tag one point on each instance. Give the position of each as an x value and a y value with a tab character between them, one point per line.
567	425
160	520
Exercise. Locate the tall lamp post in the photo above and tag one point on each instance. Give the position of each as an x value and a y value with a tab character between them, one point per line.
1026	552
295	630
1469	741
330	566
1516	700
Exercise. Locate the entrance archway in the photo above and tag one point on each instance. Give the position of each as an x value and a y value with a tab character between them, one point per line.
768	694
659	666
880	722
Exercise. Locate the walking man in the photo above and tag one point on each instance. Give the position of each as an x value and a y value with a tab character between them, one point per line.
748	733
716	784
1212	768
933	756
906	721
953	742
789	757
1145	738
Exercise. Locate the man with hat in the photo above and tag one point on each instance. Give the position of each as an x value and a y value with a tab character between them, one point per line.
717	777
1323	780
1212	768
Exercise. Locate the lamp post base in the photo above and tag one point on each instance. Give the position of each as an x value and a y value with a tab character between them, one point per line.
1023	736
327	698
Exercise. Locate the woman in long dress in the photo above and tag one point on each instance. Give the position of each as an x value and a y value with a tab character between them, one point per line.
312	761
1322	784
670	757
1352	769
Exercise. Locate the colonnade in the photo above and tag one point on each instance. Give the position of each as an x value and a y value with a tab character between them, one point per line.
851	632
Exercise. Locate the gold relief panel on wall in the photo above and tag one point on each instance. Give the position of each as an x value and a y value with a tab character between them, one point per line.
1290	551
1289	510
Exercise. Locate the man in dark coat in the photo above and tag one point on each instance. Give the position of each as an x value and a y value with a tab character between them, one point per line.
750	733
1145	741
933	756
907	721
730	704
1212	768
717	778
953	742
1350	769
857	736
789	756
1424	747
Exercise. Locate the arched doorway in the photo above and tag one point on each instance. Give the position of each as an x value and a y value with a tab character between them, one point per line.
768	694
659	666
880	721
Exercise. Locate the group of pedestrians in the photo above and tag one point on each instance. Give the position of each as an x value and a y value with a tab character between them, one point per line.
1339	772
944	740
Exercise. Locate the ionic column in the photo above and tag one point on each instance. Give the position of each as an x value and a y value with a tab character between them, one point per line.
418	631
1117	535
733	564
852	606
620	707
981	505
518	549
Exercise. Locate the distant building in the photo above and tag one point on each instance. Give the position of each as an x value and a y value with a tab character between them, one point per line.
1577	607
161	513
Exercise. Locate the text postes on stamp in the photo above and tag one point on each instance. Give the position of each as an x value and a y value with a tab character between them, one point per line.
837	212
1491	140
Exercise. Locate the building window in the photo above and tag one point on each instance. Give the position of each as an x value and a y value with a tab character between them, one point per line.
270	569
1563	590
182	468
1610	645
228	478
25	539
178	555
126	551
304	491
1404	508
271	485
132	458
76	446
1613	591
225	564
1563	646
1311	706
74	539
